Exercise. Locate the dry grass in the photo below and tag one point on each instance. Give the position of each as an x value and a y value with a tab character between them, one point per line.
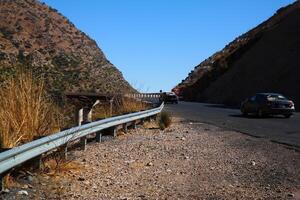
51	167
26	110
130	105
120	106
101	111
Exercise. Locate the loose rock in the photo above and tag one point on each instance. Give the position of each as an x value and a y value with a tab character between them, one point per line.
23	192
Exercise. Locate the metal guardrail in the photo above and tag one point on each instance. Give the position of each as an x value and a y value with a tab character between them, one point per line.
18	155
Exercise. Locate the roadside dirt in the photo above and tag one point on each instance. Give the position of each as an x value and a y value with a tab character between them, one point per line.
187	161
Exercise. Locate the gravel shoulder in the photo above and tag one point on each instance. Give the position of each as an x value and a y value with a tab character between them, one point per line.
187	161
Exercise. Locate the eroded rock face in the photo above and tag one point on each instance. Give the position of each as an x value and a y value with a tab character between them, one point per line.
265	59
35	35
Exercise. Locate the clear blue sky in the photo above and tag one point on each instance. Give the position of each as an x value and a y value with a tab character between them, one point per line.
156	43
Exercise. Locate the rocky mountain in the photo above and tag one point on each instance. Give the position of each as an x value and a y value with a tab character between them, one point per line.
35	35
265	59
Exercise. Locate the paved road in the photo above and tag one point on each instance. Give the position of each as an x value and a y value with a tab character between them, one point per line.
277	128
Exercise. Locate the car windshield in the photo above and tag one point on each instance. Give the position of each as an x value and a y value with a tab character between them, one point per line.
171	94
274	97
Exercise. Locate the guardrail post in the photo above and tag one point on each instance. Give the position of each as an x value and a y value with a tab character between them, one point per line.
98	136
83	142
114	131
151	119
125	128
148	119
65	151
2	182
142	121
134	124
37	162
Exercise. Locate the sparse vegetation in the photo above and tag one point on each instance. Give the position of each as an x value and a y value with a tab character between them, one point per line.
130	105
6	32
120	106
2	56
26	110
53	166
164	120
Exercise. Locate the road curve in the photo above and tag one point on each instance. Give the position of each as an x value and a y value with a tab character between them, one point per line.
277	128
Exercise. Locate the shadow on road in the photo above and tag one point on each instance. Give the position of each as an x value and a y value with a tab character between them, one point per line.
221	106
256	117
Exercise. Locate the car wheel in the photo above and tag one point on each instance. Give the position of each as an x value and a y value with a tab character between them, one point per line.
244	111
287	115
260	113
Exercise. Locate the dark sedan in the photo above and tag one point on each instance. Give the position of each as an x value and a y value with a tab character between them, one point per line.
263	104
169	97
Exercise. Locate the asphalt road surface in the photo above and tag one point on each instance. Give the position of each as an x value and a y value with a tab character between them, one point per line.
276	128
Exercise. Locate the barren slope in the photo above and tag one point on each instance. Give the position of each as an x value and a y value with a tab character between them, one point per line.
264	59
33	34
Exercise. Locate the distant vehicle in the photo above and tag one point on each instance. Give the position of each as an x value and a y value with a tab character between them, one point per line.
169	97
263	104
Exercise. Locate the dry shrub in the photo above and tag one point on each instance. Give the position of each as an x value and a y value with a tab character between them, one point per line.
121	105
130	105
26	110
53	167
102	111
9	181
164	120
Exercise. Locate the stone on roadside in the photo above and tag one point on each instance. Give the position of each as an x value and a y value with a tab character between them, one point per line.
291	195
149	164
5	191
86	182
25	186
23	192
30	178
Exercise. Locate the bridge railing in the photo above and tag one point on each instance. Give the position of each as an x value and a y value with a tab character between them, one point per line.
18	155
148	97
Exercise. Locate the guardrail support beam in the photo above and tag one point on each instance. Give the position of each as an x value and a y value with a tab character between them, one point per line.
83	142
148	119
65	151
98	136
114	131
37	162
134	125
2	186
111	131
125	128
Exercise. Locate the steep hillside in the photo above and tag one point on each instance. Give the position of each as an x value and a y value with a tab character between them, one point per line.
267	58
35	35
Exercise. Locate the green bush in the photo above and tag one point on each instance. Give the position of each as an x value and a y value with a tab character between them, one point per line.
165	120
